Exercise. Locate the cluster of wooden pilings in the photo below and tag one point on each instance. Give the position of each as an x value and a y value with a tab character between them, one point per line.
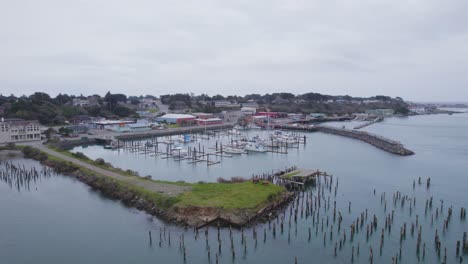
164	149
20	177
361	235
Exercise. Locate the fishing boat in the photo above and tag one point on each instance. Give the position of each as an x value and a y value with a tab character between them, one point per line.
232	150
255	148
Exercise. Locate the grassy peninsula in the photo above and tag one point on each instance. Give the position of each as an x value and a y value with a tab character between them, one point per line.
197	204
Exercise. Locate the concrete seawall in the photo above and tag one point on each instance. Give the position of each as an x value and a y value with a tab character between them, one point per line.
388	145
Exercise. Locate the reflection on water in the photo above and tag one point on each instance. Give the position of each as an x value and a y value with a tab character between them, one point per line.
20	177
331	222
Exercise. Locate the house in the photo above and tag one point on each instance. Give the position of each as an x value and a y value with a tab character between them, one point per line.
18	130
222	103
80	102
176	118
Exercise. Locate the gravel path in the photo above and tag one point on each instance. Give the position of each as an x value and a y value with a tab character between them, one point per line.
163	188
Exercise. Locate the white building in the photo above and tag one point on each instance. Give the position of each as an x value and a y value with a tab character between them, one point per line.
249	110
80	102
222	103
18	130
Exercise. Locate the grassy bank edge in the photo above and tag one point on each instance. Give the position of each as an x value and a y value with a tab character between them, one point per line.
246	195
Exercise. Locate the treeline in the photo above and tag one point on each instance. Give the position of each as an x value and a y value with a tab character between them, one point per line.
268	98
287	102
57	110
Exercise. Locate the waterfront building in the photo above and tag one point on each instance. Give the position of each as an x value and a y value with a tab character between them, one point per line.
203	115
380	112
209	121
108	124
18	130
249	110
176	118
136	127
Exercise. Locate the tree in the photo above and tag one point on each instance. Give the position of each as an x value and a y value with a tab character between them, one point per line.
65	131
123	111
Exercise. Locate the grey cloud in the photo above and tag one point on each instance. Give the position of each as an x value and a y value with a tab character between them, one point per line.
414	49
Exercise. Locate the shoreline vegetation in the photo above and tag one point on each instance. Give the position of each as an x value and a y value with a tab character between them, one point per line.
236	203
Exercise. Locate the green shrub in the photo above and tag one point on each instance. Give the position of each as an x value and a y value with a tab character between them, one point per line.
80	155
100	162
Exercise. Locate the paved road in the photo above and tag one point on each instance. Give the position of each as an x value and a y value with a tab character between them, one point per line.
166	189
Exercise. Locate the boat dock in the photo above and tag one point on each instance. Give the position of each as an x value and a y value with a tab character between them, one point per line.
302	176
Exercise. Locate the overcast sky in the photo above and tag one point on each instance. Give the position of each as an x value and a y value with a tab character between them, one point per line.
416	49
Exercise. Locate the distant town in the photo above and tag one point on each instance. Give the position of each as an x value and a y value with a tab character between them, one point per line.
40	116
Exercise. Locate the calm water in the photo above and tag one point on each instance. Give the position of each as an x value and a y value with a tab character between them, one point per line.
63	221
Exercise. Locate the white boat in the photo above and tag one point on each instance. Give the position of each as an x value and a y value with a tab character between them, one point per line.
255	148
234	132
176	148
253	126
231	150
270	144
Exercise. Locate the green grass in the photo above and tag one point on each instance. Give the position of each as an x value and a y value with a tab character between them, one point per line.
153	110
246	195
